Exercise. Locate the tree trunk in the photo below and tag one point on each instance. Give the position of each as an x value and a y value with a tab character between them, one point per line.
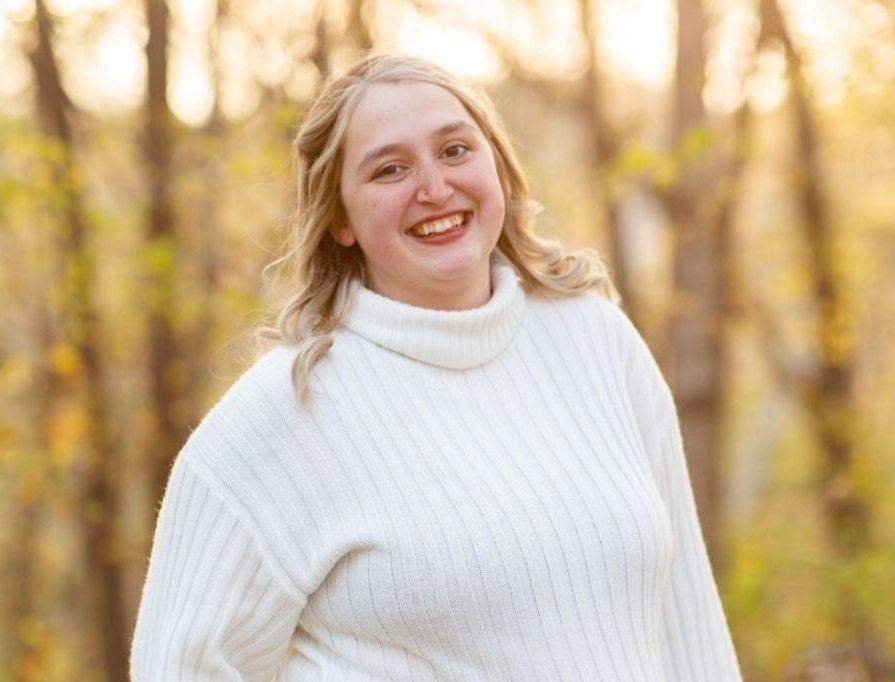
23	604
320	56
27	659
213	136
24	655
358	28
166	371
696	360
96	483
604	147
828	392
829	398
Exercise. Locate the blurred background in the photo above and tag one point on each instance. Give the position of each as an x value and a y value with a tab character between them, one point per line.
734	160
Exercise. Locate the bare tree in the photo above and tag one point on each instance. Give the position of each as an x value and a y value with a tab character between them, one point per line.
96	481
696	351
358	30
604	146
166	371
213	139
320	56
827	391
24	601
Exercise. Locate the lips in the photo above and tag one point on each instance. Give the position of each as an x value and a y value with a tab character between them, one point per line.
439	224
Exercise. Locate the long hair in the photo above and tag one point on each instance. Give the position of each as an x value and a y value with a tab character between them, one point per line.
318	271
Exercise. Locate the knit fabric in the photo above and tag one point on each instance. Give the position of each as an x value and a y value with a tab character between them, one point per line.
489	494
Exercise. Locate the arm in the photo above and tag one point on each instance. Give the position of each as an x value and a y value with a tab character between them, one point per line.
695	640
214	607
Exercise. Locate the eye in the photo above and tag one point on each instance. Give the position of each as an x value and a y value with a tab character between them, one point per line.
391	170
456	150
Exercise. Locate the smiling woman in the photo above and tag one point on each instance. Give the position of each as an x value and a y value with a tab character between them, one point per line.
458	462
424	204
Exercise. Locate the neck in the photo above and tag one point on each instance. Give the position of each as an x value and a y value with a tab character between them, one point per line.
447	295
447	337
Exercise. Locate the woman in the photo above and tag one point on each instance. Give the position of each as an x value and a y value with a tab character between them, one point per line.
460	462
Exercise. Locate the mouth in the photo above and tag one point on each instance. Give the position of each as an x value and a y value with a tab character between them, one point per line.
443	225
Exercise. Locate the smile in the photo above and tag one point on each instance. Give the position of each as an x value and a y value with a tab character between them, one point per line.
439	226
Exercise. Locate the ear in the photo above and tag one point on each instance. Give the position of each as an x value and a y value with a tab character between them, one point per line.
343	234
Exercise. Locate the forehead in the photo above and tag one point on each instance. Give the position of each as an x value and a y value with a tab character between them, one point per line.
400	112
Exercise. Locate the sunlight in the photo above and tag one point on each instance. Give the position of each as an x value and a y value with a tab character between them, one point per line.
456	49
826	25
70	7
768	85
636	39
190	91
109	74
18	10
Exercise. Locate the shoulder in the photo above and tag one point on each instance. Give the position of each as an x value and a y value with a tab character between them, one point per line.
590	313
247	417
595	326
590	324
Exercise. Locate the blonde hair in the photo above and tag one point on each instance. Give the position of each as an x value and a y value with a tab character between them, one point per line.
320	271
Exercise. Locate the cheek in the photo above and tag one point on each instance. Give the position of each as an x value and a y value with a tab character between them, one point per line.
378	219
387	201
490	197
370	212
485	184
385	213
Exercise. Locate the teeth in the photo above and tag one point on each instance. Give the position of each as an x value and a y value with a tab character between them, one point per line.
437	226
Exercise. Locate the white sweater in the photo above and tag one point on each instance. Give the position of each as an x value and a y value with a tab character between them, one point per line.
489	494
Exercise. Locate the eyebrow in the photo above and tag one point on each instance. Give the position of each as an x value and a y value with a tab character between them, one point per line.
385	149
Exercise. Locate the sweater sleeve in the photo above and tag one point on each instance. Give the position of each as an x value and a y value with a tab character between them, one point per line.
213	607
695	639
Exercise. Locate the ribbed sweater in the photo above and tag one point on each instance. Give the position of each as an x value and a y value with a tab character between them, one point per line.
488	494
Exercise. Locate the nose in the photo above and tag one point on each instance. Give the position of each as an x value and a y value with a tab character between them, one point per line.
433	187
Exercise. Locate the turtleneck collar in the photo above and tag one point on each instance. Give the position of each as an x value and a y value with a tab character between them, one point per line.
453	339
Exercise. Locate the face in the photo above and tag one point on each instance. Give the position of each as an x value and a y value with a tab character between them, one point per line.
422	196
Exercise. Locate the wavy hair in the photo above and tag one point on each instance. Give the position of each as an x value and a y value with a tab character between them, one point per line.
318	272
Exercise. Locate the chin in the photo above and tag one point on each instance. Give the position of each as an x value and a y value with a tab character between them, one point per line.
462	266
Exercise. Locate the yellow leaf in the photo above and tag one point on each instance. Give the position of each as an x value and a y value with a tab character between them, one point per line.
159	257
15	374
64	360
7	436
32	631
67	429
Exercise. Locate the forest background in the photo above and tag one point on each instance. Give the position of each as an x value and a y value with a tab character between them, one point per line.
734	160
